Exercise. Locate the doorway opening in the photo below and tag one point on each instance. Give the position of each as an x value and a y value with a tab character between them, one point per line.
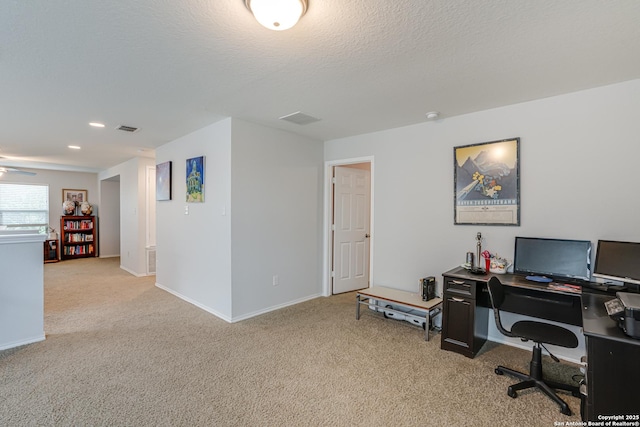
109	239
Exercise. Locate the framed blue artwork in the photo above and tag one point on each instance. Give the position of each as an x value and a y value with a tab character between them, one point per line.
195	180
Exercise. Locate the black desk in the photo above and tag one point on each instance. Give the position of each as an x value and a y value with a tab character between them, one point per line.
613	364
613	358
465	319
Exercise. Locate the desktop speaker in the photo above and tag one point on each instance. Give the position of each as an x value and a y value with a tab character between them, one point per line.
428	285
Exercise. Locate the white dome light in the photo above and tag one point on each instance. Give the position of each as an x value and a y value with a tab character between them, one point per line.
277	14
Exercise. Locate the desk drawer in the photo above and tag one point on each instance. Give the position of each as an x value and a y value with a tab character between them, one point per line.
466	288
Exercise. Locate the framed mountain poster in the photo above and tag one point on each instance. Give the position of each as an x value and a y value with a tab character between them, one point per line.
487	183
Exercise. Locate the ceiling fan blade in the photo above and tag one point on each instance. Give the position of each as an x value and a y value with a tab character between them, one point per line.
18	171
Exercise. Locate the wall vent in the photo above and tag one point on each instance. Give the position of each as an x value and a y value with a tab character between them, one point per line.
127	128
151	260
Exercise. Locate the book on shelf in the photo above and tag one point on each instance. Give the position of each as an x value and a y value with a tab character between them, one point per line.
85	224
79	250
78	237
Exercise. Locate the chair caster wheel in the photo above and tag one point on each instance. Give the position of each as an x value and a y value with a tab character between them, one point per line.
565	411
499	372
512	393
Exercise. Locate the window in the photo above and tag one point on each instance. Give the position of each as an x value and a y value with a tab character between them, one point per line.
24	207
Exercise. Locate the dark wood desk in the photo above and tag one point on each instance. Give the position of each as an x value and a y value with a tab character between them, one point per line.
613	364
465	319
612	385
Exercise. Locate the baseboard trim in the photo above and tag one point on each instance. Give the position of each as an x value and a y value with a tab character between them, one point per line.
131	271
528	348
274	308
239	318
194	302
14	344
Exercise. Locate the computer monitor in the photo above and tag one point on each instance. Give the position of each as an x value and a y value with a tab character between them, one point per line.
618	261
560	259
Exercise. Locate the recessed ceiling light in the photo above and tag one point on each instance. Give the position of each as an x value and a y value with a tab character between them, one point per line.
432	115
74	147
96	125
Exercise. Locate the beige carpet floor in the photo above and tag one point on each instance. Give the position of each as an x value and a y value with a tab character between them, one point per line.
121	352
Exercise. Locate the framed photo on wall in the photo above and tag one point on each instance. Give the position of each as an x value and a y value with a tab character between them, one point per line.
486	183
77	196
195	179
163	181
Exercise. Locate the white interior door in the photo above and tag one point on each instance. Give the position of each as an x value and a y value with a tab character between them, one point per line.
351	216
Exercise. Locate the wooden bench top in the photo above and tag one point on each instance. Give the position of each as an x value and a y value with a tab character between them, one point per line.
399	296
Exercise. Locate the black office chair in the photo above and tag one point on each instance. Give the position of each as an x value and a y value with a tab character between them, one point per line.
540	333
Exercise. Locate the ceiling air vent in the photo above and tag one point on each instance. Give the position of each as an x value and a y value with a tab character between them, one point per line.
127	128
299	118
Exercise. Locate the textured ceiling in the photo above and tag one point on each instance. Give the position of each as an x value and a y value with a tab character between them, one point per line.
171	67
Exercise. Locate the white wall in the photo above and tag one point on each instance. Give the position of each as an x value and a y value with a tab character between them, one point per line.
193	252
579	155
276	194
132	212
579	165
21	289
261	217
58	180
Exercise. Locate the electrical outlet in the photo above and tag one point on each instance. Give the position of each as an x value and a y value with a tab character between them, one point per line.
276	280
186	210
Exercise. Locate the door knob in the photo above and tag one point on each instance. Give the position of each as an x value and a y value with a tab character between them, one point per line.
366	236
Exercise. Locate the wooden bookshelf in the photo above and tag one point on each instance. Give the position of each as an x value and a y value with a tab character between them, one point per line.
51	253
78	237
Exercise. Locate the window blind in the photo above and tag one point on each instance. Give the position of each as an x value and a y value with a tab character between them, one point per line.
24	206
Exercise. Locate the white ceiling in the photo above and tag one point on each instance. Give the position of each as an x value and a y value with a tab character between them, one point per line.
170	67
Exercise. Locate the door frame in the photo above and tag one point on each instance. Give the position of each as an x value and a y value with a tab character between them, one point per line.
327	253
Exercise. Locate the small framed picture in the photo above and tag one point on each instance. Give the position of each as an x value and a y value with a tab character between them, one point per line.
77	196
163	181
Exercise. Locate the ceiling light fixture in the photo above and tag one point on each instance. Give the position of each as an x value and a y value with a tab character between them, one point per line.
96	125
432	115
73	147
277	14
